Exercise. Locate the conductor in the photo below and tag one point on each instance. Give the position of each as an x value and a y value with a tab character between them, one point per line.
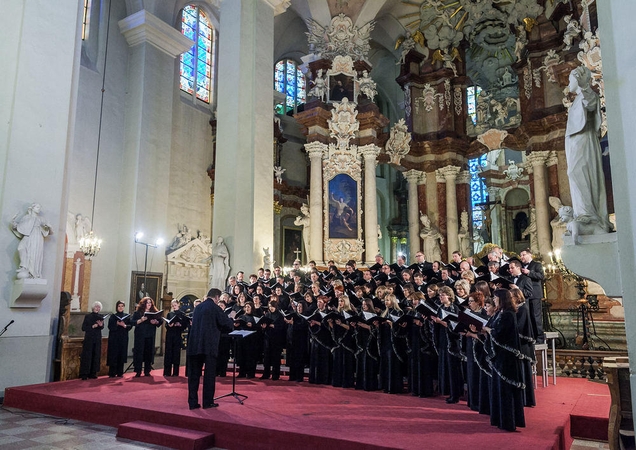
208	321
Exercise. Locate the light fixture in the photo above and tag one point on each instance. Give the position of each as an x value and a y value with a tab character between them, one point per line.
91	245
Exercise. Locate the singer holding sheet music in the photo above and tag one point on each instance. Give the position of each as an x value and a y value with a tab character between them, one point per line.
118	328
208	322
92	347
176	323
146	320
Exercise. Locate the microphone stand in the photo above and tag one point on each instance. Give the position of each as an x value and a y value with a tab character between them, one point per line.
5	328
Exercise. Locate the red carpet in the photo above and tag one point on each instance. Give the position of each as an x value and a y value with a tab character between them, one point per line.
299	415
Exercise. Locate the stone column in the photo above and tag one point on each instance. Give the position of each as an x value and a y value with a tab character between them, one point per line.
538	161
497	229
154	45
315	150
370	153
452	223
414	177
243	193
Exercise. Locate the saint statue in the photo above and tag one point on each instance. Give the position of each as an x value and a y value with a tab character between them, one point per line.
583	154
465	240
219	265
432	239
559	224
31	229
304	221
531	232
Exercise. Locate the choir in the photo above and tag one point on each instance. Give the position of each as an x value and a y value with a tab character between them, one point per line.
428	329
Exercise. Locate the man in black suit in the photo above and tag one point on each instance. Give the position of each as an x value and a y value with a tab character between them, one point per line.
534	271
421	265
524	283
208	321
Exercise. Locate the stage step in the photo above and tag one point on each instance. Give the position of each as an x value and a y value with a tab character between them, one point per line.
178	438
589	418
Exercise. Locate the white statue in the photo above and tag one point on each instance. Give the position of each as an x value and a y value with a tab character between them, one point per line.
572	31
304	221
432	239
521	42
278	173
531	230
267	259
478	240
465	240
368	86
583	154
399	143
320	89
82	227
379	232
219	265
182	237
513	172
31	229
408	42
560	223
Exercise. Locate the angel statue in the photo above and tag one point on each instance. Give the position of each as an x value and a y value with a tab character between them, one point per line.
408	42
182	237
267	259
82	227
559	224
448	58
320	89
31	229
278	173
432	239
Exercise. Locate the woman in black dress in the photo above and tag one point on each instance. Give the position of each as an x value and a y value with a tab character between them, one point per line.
526	340
297	343
321	345
344	353
367	353
275	335
392	348
506	395
248	347
118	328
92	347
475	357
422	357
176	323
451	381
145	330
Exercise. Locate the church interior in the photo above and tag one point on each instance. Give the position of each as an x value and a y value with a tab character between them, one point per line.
166	145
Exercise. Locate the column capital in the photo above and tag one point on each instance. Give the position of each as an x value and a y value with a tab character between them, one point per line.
463	177
316	149
414	176
370	152
448	173
279	6
538	158
143	27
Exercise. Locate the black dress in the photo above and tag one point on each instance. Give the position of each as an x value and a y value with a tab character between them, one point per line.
274	342
92	346
117	344
320	360
144	346
451	380
343	356
172	354
297	348
422	357
247	348
367	358
506	393
392	356
526	340
474	351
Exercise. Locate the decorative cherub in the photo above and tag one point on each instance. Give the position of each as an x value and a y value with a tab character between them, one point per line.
408	42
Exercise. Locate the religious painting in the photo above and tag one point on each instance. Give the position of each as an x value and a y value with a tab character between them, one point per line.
343	207
292	245
148	285
341	86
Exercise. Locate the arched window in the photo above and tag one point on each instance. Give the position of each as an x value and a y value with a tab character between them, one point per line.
289	80
197	64
478	191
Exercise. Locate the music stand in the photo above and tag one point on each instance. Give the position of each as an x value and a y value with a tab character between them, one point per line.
236	335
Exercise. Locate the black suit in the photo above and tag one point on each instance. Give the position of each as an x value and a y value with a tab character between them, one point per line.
208	321
537	276
524	283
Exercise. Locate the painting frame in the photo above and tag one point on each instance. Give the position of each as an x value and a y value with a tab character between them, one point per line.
153	288
343	188
349	84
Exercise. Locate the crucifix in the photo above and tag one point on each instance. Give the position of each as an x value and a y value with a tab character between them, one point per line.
297	253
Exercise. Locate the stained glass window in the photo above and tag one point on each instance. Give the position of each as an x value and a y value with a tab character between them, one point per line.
197	64
478	192
472	94
289	80
86	18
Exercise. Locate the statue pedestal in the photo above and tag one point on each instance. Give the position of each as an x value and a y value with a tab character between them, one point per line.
28	292
596	258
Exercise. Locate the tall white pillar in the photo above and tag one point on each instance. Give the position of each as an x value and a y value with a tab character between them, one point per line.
38	92
538	162
452	223
315	150
370	153
413	177
154	45
244	179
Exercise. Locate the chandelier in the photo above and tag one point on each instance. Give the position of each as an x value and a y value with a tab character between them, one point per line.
90	245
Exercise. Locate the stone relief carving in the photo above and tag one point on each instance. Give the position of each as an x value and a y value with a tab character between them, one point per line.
457	100
513	172
182	237
447	92
368	86
342	250
77	227
278	173
319	89
340	37
399	143
572	31
527	80
343	123
428	98
407	101
552	58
